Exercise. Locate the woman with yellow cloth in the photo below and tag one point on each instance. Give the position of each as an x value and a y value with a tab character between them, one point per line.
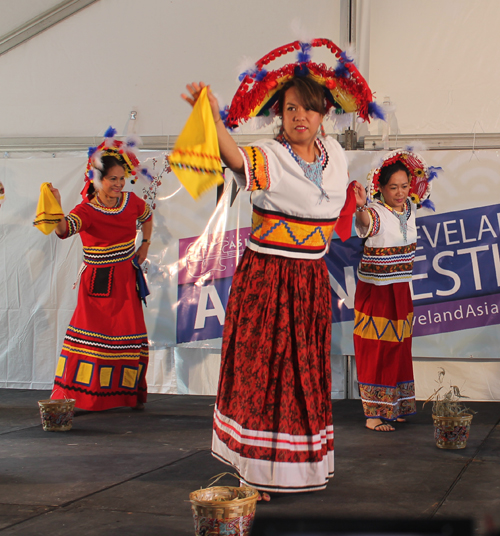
273	415
105	352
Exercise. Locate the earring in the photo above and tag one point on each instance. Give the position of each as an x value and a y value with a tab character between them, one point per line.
322	130
382	197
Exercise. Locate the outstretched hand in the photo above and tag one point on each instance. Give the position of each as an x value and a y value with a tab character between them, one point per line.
194	93
360	194
55	193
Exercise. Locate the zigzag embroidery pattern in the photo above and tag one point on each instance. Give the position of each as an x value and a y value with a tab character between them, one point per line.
100	355
112	211
74	224
389	260
102	345
113	254
108	337
390	276
290	232
146	214
259	178
406	325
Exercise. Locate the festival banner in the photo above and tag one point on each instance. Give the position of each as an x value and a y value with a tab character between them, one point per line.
456	279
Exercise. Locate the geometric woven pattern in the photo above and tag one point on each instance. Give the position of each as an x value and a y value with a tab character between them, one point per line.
258	168
382	329
388	402
109	255
290	233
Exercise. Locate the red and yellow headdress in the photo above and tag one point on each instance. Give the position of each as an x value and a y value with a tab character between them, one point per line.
346	91
421	176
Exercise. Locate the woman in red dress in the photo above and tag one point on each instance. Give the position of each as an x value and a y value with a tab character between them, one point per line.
273	413
105	352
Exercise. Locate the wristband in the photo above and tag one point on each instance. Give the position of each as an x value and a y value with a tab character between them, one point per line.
146	240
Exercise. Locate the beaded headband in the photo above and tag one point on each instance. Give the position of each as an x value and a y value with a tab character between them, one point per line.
421	176
124	152
346	91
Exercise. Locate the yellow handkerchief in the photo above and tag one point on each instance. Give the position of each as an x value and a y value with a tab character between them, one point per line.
195	158
48	210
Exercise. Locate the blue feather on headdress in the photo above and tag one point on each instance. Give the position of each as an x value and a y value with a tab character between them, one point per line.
260	75
301	70
224	113
252	73
341	71
91	174
433	172
110	133
305	53
429	204
92	150
376	111
345	58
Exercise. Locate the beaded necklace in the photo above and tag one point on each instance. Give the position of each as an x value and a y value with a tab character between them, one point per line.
402	217
313	171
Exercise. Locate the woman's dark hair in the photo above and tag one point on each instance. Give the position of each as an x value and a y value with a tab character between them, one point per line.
310	92
108	162
388	171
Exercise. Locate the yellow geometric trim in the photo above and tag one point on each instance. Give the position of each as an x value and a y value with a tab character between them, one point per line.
99	353
382	329
129	377
258	178
109	249
60	366
84	374
107	337
286	232
105	376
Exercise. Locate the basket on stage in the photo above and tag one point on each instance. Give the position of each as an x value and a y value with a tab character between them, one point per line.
222	510
57	415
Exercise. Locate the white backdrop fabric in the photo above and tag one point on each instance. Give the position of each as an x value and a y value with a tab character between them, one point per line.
195	248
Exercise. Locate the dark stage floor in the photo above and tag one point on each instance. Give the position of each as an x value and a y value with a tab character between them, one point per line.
130	473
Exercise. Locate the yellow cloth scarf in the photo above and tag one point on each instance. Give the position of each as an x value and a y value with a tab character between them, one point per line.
48	210
195	158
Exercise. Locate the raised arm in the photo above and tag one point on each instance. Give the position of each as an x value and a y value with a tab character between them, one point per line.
229	151
63	224
362	217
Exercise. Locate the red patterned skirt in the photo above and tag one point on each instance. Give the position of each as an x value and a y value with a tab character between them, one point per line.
104	357
383	325
273	416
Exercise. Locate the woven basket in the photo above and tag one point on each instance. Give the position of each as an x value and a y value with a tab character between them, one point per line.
451	432
222	510
57	415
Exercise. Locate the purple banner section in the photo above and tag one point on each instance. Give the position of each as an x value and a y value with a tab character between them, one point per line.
213	256
456	315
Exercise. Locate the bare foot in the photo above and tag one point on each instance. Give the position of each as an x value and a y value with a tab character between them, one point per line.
400	419
377	425
263	496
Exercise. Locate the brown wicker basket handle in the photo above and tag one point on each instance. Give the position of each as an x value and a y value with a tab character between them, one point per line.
219	476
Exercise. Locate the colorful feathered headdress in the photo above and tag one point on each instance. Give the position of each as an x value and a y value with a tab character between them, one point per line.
346	91
421	176
124	151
